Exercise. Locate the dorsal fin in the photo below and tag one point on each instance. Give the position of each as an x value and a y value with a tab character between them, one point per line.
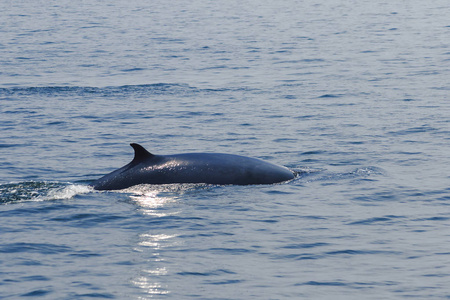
140	153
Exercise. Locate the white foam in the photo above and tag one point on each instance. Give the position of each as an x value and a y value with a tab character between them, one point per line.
66	192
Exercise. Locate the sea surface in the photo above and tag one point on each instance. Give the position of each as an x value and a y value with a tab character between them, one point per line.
353	96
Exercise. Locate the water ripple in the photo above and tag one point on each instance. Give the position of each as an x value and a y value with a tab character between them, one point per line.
34	247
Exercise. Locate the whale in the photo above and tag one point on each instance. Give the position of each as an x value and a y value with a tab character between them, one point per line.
208	168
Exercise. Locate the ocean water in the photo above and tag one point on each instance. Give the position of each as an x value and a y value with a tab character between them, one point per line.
351	95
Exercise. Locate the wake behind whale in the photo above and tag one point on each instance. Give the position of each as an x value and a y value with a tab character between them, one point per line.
209	168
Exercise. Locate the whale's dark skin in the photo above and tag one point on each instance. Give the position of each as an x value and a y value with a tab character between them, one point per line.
210	168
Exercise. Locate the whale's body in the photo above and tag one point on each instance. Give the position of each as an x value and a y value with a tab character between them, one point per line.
210	168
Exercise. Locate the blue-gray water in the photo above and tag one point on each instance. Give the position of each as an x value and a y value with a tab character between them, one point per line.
353	95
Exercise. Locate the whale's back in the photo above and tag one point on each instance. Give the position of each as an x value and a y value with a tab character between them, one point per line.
209	168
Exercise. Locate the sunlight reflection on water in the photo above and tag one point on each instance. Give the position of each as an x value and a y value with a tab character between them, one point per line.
151	288
152	201
149	279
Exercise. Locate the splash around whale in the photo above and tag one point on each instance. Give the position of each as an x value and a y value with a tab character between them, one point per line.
209	168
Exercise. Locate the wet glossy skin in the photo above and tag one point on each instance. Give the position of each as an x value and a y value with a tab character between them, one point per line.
210	168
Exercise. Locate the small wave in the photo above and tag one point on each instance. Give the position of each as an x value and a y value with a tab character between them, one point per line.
358	173
312	175
389	219
87	90
330	96
121	90
367	171
39	191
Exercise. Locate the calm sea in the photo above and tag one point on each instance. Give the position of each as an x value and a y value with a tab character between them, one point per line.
352	95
